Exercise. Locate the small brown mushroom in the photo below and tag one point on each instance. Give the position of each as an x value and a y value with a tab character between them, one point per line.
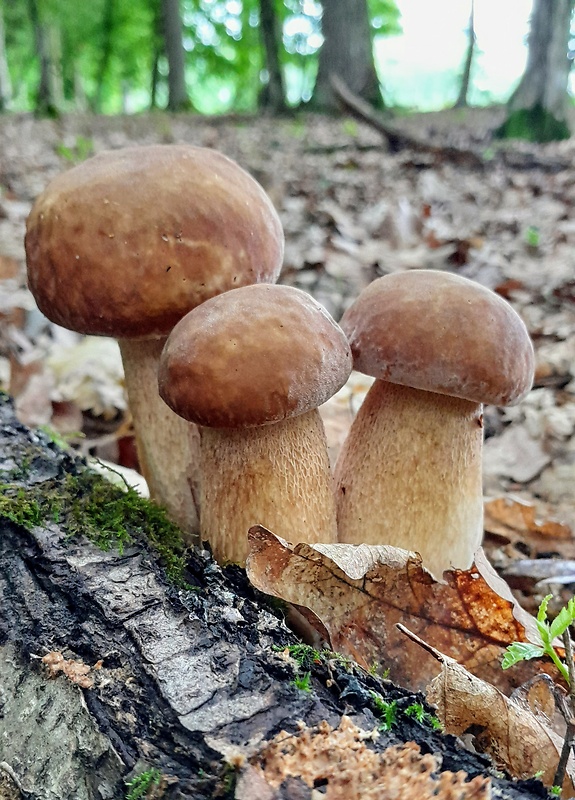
251	368
409	473
128	242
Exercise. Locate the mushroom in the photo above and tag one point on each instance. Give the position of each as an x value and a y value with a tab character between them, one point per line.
251	367
409	473
128	242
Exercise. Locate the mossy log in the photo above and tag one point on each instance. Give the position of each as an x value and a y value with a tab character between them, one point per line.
117	682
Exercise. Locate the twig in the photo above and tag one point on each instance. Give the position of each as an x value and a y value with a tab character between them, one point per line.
568	712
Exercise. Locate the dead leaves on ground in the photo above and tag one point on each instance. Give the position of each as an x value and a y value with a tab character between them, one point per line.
359	594
517	732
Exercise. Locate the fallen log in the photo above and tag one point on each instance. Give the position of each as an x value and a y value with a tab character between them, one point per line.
130	667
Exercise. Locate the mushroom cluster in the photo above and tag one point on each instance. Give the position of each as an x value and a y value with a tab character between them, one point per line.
175	250
124	245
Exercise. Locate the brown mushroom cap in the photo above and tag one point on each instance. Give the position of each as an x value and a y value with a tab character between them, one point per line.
441	333
129	241
253	356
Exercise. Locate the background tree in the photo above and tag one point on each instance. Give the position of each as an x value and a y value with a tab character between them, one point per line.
538	107
347	52
461	101
5	83
178	98
272	95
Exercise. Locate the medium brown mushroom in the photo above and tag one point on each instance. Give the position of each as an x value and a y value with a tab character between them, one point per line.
251	367
409	473
128	242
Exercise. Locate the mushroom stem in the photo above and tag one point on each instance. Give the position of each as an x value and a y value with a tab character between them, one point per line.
277	475
409	475
168	446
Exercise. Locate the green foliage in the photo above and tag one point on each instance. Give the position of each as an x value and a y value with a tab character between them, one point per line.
533	125
532	236
555	791
418	712
303	682
548	632
140	786
387	711
82	149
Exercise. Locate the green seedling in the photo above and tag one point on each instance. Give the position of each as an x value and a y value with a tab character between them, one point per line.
387	711
548	632
140	786
303	682
532	236
418	712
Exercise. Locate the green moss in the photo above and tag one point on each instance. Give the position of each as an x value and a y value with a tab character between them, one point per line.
144	783
386	711
533	125
86	505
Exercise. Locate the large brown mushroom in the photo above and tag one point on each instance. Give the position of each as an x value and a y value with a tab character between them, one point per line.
128	242
409	473
251	367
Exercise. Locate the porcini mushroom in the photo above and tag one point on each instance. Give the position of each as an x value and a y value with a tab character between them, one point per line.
251	367
128	242
409	473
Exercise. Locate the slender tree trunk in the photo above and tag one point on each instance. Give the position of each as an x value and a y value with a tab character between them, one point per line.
45	99
346	52
106	51
272	95
5	83
538	107
178	99
461	101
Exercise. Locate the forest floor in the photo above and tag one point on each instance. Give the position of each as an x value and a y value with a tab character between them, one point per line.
352	211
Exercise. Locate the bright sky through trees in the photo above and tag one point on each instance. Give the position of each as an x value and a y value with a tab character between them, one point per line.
417	68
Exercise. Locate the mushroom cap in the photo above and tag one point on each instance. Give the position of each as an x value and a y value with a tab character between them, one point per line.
441	333
130	240
253	356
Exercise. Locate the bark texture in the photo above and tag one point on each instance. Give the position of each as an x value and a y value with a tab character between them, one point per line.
178	98
183	679
346	54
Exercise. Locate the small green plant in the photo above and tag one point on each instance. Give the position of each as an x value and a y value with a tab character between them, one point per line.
140	786
387	711
82	149
548	632
350	127
524	651
303	682
418	712
532	236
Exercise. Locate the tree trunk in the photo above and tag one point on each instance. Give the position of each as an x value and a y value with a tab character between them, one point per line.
5	84
538	107
461	101
347	53
272	95
111	674
46	104
178	99
105	52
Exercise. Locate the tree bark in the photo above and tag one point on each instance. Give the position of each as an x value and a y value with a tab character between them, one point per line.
540	102
46	104
272	96
181	681
178	98
347	54
461	101
5	83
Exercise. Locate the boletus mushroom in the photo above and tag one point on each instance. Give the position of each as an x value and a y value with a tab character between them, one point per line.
251	367
409	473
128	242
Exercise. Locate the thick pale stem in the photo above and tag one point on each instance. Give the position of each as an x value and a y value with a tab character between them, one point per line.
274	475
168	446
409	475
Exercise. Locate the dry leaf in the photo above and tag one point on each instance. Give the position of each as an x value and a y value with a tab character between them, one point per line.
341	761
360	592
516	733
75	671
